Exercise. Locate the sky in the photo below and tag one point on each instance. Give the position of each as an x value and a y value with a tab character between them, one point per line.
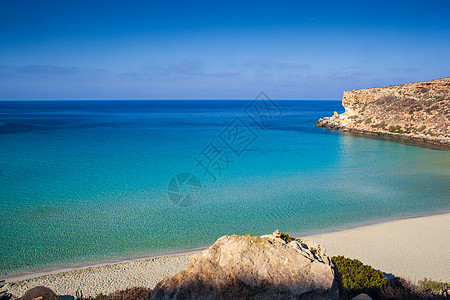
134	49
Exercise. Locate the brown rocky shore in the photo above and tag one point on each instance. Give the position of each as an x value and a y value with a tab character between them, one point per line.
417	111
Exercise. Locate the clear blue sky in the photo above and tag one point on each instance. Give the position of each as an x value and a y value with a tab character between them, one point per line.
217	49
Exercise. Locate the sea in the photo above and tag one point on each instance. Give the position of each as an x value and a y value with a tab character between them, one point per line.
92	181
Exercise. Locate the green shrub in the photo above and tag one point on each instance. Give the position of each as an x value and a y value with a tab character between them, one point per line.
396	129
356	275
286	237
433	285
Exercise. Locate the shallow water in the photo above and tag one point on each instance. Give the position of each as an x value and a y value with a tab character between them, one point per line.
87	181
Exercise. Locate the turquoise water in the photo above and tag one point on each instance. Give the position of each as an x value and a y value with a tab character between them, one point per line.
87	181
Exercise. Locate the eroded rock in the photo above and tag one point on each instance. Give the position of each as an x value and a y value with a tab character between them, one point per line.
418	111
251	267
39	293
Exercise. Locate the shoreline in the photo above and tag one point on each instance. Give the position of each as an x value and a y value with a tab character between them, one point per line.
12	277
373	223
412	111
412	247
19	276
435	143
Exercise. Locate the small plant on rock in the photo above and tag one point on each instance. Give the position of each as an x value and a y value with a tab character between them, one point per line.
286	237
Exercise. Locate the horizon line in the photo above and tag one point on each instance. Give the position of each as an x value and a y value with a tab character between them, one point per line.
170	99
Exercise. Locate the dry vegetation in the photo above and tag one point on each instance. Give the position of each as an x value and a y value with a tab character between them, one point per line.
419	108
419	111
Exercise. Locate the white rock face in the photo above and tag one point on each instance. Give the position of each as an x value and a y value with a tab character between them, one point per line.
250	267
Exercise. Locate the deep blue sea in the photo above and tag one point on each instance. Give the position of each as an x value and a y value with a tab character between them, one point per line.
90	181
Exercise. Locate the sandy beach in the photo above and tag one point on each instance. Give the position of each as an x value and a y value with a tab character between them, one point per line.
103	278
411	248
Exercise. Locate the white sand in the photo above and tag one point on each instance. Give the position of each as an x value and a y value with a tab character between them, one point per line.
105	278
410	248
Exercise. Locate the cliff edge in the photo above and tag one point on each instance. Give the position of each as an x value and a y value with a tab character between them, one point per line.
417	111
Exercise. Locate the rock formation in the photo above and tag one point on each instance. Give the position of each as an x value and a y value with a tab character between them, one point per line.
251	267
418	111
39	293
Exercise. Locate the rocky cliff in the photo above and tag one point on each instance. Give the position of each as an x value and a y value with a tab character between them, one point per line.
417	111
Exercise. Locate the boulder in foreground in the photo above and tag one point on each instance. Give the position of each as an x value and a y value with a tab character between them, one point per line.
251	267
39	293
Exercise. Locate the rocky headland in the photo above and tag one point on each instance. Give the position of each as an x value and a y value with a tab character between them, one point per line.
417	111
